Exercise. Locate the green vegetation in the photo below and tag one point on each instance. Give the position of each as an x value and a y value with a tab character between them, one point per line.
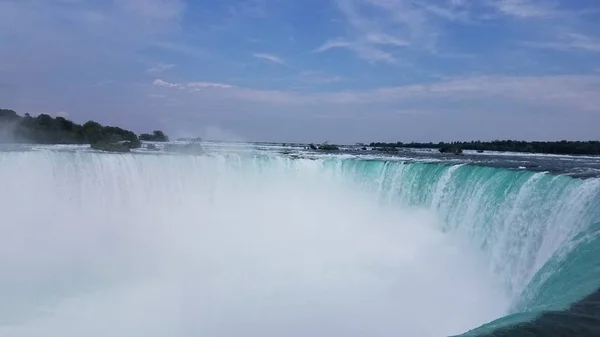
380	145
386	149
328	147
323	147
110	138
156	136
45	129
560	147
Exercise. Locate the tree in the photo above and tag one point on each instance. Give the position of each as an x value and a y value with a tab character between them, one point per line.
156	136
7	114
45	129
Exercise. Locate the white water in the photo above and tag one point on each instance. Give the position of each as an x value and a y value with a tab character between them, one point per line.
144	245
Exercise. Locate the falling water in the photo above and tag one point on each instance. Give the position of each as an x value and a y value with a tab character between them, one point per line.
245	245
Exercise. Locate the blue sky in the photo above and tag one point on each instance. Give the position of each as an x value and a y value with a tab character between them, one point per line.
329	70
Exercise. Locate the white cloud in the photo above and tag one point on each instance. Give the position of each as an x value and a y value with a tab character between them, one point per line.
384	39
192	86
205	85
362	49
574	93
248	8
161	83
476	107
270	57
550	26
378	30
569	42
526	8
334	43
382	30
450	13
62	114
160	67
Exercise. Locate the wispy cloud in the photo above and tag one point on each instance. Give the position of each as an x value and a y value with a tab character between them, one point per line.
270	58
160	67
550	26
526	8
380	29
191	86
569	42
453	12
199	86
161	83
369	35
576	93
334	43
208	85
363	50
248	8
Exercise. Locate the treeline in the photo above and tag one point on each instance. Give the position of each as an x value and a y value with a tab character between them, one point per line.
45	129
559	147
323	147
156	136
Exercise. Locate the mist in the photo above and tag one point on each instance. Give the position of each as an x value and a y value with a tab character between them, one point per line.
156	245
7	132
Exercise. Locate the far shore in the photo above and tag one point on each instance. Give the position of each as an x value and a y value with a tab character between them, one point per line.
44	129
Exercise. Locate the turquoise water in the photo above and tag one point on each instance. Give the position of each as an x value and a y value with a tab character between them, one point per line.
532	242
541	232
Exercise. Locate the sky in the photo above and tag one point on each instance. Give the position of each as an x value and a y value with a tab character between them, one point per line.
341	71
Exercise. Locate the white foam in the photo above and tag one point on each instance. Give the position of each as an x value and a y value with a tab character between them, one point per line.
148	245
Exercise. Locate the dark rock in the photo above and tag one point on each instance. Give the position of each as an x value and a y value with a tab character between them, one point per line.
451	149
